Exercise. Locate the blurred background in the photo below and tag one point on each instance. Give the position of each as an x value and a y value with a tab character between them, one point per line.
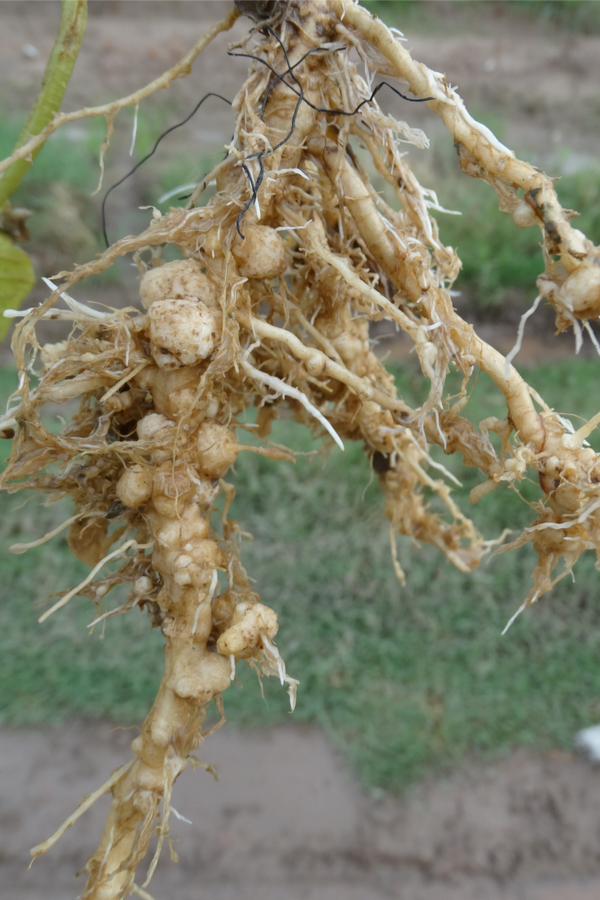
430	757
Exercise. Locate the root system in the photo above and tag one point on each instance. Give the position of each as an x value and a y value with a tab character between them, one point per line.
281	272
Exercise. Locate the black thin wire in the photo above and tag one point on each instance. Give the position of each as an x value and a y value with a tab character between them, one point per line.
152	152
261	154
279	77
255	188
321	109
260	157
301	98
283	74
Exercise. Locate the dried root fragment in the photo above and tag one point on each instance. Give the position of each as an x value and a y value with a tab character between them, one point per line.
281	273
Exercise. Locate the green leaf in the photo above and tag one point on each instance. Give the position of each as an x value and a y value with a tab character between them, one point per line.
16	278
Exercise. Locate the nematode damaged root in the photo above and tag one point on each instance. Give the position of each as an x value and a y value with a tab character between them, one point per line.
281	273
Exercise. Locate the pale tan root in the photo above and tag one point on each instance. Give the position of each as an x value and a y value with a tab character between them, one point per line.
83	807
271	312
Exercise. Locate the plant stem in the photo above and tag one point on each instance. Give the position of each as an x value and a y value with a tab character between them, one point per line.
56	77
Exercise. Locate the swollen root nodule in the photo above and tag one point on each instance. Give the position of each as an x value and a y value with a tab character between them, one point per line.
281	273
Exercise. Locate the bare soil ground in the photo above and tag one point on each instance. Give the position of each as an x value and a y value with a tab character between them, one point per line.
285	820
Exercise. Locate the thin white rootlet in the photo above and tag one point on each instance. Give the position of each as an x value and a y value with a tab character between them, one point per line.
75	305
286	390
135	126
520	331
176	190
519	611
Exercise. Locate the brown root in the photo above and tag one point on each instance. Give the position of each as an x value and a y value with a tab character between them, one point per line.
281	273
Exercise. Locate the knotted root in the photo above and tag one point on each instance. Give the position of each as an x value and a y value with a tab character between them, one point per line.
280	274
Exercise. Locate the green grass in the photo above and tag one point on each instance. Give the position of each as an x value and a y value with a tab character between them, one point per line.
50	670
406	680
569	15
65	223
496	255
579	16
500	262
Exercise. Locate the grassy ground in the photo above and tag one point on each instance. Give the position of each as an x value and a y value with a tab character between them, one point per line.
406	680
574	16
66	220
500	263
